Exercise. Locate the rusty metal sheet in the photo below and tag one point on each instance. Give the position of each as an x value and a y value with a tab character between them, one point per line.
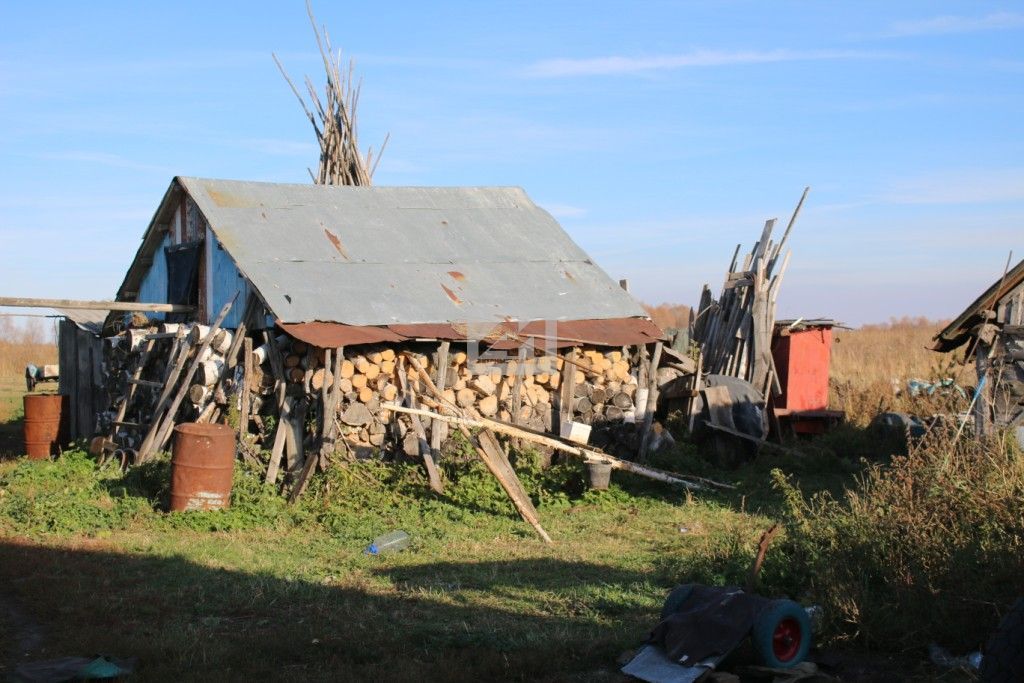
333	335
507	335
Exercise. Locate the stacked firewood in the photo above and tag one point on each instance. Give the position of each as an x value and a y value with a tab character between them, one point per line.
523	392
142	359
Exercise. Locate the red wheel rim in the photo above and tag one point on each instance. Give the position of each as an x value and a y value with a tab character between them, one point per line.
786	639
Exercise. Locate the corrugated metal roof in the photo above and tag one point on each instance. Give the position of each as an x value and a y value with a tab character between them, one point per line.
960	330
88	319
384	255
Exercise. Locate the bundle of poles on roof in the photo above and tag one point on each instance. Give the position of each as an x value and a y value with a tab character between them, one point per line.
334	118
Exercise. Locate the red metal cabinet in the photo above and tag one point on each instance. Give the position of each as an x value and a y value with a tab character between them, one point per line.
802	360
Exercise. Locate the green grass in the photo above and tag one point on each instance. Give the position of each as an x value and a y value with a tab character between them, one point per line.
270	590
265	590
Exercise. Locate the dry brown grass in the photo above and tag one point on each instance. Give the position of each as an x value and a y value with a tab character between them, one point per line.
23	344
19	346
669	316
871	366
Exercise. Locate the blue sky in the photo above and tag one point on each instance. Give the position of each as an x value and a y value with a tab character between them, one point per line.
660	134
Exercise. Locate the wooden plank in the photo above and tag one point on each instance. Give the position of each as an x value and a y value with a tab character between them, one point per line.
277	451
123	408
567	391
409	395
163	432
330	433
295	435
517	386
493	456
572	449
171	380
652	400
302	480
76	304
245	398
442	376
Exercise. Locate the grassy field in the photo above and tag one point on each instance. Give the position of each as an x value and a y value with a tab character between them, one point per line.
270	591
89	562
872	365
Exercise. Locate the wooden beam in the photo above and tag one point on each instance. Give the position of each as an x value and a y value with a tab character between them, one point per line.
528	435
76	304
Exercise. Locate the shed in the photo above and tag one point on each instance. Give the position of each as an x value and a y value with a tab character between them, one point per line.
343	265
384	280
992	328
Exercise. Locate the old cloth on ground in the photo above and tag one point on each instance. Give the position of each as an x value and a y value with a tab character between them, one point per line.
712	621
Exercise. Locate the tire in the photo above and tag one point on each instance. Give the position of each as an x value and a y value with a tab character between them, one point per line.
675	600
782	634
1003	661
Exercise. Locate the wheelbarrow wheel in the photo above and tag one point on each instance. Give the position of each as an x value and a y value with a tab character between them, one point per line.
782	634
675	600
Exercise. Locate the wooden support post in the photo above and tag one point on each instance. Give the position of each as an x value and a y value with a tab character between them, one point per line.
295	435
245	398
164	434
442	375
283	406
568	390
330	433
517	386
409	395
652	401
494	458
123	408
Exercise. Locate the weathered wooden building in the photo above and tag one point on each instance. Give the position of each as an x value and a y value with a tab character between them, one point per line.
992	328
389	280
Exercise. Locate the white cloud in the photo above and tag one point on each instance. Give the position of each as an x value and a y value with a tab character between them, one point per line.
564	210
619	65
947	24
967	186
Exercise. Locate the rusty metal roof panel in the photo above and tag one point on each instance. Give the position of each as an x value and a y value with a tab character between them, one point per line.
539	334
384	255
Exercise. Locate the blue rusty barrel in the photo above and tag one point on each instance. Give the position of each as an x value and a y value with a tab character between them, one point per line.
45	424
202	464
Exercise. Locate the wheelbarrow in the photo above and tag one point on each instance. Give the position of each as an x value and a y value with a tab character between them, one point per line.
701	625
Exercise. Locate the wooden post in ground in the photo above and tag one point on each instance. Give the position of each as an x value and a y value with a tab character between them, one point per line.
243	416
442	376
652	401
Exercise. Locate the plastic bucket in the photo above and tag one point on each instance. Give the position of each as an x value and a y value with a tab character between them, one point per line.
202	463
599	474
45	424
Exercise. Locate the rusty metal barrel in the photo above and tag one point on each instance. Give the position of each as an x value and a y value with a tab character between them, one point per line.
202	462
45	424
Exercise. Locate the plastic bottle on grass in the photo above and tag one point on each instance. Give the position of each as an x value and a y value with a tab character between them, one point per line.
389	543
